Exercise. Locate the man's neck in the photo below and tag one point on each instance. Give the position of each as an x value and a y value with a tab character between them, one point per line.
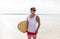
32	14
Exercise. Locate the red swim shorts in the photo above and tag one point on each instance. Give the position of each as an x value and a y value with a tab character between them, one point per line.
31	34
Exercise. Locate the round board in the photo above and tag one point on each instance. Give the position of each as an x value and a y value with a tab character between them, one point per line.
22	26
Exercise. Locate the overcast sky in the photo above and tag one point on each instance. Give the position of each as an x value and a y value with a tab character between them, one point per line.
23	6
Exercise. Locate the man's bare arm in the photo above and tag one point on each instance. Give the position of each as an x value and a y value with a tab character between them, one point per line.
38	21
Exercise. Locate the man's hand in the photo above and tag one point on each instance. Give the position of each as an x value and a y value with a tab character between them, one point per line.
36	31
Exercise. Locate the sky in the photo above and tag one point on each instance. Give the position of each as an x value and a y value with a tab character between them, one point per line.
23	6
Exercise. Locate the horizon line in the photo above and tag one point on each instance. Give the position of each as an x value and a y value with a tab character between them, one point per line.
25	14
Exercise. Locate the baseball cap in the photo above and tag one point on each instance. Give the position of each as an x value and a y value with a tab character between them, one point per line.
33	8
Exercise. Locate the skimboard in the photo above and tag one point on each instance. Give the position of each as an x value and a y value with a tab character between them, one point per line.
22	26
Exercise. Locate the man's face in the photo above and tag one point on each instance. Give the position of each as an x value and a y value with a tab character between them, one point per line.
32	12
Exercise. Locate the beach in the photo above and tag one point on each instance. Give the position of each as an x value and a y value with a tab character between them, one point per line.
49	28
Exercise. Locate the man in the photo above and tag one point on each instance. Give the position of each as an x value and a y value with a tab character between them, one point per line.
32	27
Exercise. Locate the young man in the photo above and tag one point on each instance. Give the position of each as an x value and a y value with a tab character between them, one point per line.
32	27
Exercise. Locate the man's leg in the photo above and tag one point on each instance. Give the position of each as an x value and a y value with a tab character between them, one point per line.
29	36
34	36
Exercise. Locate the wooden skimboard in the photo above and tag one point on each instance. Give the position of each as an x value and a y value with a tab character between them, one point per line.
22	26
